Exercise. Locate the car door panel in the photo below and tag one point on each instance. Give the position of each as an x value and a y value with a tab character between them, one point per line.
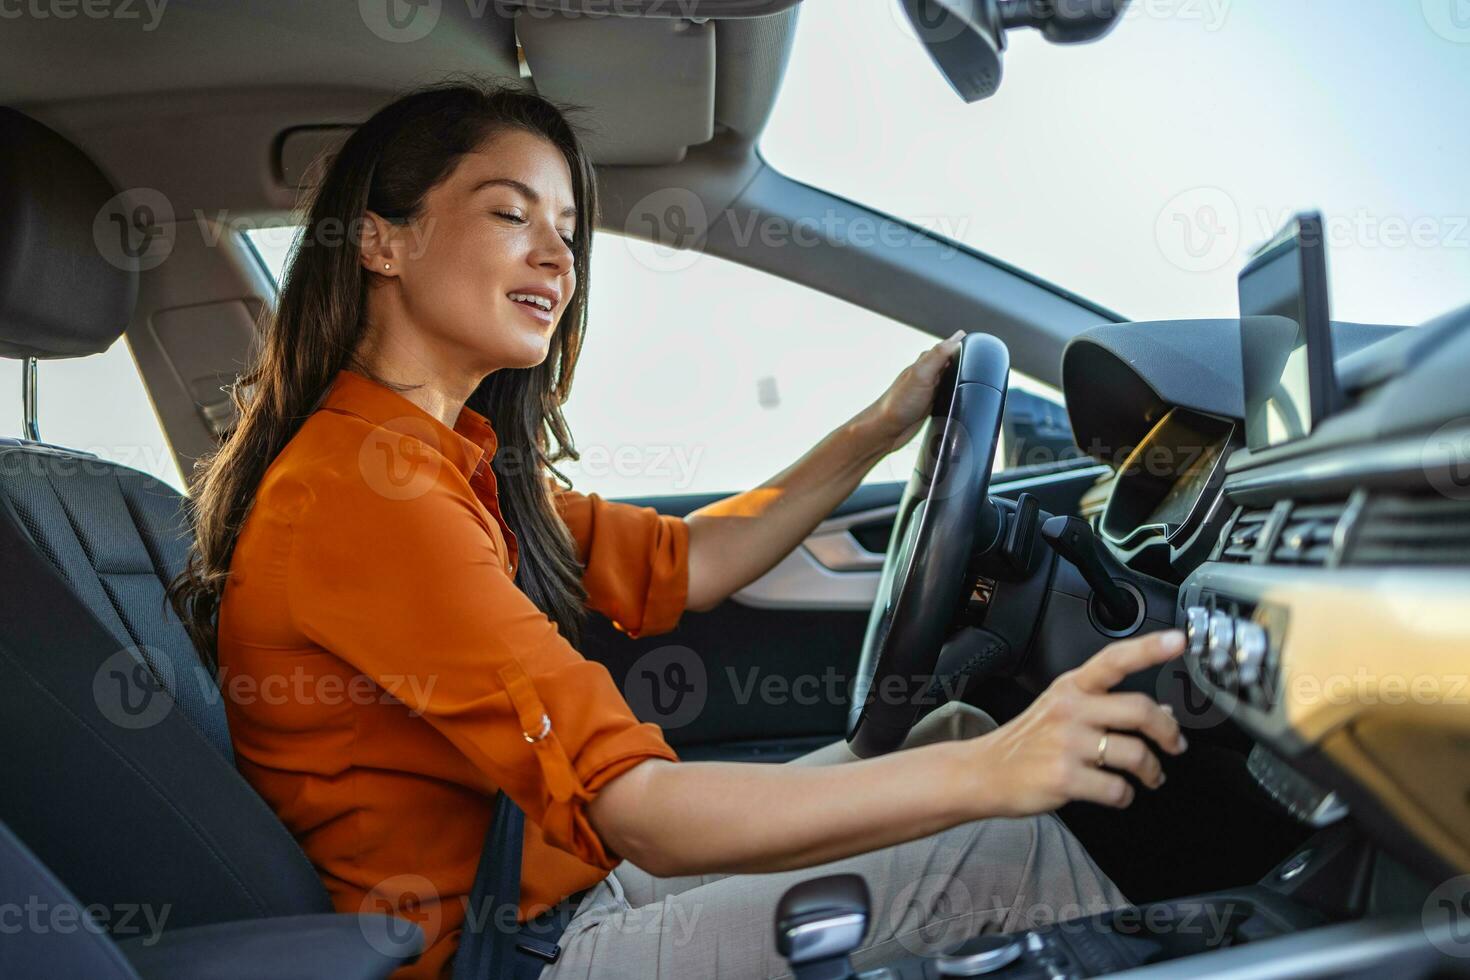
766	674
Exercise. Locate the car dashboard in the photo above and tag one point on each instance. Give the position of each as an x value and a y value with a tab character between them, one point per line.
1322	583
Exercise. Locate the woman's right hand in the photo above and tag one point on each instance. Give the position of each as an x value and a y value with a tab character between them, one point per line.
1048	755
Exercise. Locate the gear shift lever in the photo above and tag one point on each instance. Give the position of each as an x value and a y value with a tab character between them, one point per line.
819	922
1072	538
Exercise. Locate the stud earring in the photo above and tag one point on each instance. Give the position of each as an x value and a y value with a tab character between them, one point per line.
387	265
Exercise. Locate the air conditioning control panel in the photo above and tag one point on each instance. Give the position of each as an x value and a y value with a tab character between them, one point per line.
1235	647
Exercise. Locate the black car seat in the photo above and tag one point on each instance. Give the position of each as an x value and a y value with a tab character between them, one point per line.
48	933
117	770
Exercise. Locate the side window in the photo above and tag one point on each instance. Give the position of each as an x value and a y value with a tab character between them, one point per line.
97	404
272	246
713	377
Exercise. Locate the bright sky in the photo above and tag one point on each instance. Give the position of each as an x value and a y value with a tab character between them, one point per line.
1218	118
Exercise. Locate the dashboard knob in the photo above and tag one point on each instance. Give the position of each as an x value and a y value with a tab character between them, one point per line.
1219	644
1250	652
979	956
1196	630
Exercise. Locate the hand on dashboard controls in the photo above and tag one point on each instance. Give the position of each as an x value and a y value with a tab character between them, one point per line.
1074	741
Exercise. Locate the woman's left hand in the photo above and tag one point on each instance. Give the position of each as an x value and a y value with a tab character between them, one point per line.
908	401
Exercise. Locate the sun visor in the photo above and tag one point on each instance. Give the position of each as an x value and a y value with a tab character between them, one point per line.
647	83
715	9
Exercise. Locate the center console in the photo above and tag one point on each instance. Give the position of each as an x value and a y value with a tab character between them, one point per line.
1333	899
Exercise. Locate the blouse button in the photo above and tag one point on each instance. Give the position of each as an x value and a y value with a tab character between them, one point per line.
545	730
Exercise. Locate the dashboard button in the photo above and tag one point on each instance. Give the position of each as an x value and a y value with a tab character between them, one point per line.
1250	652
1219	646
1196	630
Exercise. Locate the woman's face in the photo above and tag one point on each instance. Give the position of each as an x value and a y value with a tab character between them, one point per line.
487	268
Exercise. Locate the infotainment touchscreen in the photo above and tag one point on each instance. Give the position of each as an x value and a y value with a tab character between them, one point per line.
1285	336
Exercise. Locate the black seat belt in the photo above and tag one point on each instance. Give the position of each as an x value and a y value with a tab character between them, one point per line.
493	946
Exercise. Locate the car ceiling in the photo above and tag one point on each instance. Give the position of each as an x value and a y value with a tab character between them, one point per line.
192	100
195	108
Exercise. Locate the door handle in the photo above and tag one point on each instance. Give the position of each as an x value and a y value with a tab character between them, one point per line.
839	551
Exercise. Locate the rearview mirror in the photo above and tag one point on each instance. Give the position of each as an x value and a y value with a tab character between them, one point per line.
966	37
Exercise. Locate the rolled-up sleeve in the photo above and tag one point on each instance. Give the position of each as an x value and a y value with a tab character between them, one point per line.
414	594
636	561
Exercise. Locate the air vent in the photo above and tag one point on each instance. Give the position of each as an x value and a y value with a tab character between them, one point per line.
1306	538
1411	529
1245	534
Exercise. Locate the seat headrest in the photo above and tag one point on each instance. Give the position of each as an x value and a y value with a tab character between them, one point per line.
62	294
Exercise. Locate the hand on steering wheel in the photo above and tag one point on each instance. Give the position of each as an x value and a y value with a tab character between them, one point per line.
1074	740
944	516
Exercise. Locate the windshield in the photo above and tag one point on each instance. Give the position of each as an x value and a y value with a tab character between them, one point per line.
1140	171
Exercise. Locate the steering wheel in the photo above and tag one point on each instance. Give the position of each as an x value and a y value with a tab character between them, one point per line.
943	519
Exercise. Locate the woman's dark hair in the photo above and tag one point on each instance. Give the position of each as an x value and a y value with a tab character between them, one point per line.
388	166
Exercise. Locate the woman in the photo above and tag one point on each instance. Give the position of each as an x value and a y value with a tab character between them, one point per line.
403	586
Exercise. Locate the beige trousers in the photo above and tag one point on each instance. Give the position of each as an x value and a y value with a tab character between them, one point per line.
927	894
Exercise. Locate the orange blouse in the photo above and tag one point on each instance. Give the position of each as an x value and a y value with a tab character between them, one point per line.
381	669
